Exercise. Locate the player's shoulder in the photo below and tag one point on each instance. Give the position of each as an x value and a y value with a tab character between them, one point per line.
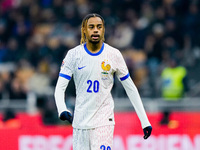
75	49
73	52
111	48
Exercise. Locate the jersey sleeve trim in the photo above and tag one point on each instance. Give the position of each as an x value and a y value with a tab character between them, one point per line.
94	54
125	77
64	76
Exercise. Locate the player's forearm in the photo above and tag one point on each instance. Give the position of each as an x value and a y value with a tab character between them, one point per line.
60	94
135	99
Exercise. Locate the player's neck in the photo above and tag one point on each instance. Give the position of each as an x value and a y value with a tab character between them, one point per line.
94	48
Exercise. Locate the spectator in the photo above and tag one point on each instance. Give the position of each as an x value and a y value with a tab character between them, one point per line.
13	52
17	90
2	89
3	51
39	82
2	30
174	86
191	24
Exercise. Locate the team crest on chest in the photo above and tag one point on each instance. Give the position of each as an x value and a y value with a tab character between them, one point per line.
105	67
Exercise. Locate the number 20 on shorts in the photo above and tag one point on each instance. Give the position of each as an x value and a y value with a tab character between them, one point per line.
103	147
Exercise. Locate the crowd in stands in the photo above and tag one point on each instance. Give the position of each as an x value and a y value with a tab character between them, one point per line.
35	35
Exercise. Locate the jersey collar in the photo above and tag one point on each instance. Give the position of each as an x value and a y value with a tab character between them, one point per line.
94	54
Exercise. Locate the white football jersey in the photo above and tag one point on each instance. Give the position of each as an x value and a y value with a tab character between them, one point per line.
93	77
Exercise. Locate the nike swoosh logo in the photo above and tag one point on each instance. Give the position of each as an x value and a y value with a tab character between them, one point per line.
79	68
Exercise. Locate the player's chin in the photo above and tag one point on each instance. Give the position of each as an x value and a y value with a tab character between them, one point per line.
96	41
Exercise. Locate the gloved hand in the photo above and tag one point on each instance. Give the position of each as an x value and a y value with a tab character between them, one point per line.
147	131
66	115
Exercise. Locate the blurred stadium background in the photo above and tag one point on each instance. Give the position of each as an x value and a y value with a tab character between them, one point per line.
35	35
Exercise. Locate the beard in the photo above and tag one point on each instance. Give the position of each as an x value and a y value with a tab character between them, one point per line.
94	41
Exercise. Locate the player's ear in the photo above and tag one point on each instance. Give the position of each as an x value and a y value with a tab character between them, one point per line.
84	30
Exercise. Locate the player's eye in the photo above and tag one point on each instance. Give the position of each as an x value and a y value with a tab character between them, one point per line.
91	27
99	26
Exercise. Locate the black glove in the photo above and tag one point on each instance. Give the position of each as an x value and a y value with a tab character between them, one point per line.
147	131
65	115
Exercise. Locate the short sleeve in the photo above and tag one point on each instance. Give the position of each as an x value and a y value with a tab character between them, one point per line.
121	68
67	67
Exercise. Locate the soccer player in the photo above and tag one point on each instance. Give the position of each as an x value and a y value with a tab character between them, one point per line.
93	64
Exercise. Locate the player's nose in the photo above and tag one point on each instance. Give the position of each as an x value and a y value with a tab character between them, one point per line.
95	30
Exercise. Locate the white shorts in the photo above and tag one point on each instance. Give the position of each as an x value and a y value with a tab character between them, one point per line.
100	138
